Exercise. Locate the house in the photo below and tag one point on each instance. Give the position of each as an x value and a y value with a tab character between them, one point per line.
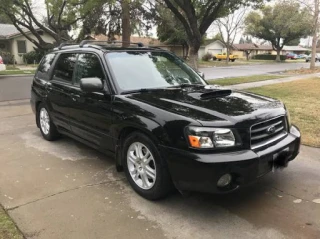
213	47
295	49
245	49
11	40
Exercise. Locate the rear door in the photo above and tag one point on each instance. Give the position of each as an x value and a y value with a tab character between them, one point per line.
91	115
59	90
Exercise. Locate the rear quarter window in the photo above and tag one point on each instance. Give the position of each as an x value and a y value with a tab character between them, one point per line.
45	66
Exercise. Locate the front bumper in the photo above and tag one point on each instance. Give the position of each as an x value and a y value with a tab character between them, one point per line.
200	172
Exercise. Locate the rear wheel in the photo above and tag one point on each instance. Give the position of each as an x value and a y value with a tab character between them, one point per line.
47	128
145	170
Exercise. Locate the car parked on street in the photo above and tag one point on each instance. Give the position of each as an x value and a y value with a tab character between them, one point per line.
162	122
317	57
292	56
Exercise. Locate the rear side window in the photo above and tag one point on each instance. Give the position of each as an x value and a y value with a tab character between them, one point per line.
88	65
45	66
64	67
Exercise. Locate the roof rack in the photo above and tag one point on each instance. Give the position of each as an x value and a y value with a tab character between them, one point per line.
82	43
64	44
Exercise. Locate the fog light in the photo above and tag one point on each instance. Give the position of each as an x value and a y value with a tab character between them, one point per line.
225	180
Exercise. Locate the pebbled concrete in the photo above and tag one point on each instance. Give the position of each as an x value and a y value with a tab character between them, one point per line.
63	189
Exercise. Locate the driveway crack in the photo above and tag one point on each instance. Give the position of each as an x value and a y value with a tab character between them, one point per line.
61	192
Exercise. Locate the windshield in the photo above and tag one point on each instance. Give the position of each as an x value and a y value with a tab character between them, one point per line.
135	70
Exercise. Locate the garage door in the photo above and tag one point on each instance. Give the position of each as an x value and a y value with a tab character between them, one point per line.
214	51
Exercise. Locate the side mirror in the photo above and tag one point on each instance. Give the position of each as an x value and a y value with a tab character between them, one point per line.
91	84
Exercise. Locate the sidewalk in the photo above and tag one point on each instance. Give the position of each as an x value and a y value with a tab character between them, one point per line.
271	82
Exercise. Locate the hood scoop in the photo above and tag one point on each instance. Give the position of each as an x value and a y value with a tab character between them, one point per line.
213	93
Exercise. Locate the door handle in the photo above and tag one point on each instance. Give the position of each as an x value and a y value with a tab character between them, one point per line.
74	97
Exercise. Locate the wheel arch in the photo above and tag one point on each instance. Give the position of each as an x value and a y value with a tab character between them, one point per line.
153	131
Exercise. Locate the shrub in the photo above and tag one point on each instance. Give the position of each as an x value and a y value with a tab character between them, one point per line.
207	57
33	57
269	57
7	57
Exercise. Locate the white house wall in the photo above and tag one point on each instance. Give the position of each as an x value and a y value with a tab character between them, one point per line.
29	45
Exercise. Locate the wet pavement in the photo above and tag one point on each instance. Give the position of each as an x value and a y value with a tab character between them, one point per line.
64	189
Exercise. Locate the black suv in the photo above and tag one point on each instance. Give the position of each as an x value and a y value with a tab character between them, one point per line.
165	126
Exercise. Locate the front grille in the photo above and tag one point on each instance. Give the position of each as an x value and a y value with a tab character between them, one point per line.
269	131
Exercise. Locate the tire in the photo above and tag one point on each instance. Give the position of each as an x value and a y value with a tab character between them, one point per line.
47	128
233	60
157	182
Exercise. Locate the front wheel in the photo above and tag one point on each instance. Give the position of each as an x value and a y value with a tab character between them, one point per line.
145	170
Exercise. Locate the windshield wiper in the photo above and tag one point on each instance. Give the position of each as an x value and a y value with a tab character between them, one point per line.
183	85
147	90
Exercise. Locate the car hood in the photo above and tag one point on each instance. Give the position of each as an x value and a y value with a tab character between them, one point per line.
219	110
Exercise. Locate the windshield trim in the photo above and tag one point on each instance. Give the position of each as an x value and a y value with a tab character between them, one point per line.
123	91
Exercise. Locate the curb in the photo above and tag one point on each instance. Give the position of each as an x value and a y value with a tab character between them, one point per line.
19	75
15	102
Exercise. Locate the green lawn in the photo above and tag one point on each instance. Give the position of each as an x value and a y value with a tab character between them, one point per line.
244	79
302	99
8	229
17	72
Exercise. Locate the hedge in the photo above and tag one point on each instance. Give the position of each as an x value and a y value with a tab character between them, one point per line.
269	57
7	57
33	57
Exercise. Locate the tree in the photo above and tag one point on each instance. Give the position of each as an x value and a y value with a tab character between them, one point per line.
241	41
60	17
197	16
294	42
170	29
229	28
313	7
274	24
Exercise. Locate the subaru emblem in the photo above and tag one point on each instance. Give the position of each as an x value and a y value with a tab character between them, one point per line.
271	129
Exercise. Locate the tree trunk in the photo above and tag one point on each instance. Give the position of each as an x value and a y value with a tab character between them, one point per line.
278	58
314	52
228	56
247	55
193	56
315	35
126	29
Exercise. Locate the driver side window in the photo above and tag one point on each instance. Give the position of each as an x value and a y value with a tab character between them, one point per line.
88	65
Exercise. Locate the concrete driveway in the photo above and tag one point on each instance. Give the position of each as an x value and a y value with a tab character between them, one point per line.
63	189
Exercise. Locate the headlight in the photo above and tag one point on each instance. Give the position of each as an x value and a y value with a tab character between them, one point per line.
204	138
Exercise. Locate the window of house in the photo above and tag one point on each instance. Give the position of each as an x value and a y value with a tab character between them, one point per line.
64	67
22	47
88	65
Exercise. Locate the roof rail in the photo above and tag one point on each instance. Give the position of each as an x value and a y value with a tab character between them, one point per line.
82	43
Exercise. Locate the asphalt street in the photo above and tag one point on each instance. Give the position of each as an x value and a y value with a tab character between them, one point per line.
63	189
18	87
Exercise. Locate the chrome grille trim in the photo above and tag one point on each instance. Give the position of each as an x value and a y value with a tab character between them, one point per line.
259	137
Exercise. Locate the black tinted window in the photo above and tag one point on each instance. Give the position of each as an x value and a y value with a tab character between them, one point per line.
64	67
46	62
88	66
45	66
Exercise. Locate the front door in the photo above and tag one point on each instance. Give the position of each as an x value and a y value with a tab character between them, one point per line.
59	90
91	115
